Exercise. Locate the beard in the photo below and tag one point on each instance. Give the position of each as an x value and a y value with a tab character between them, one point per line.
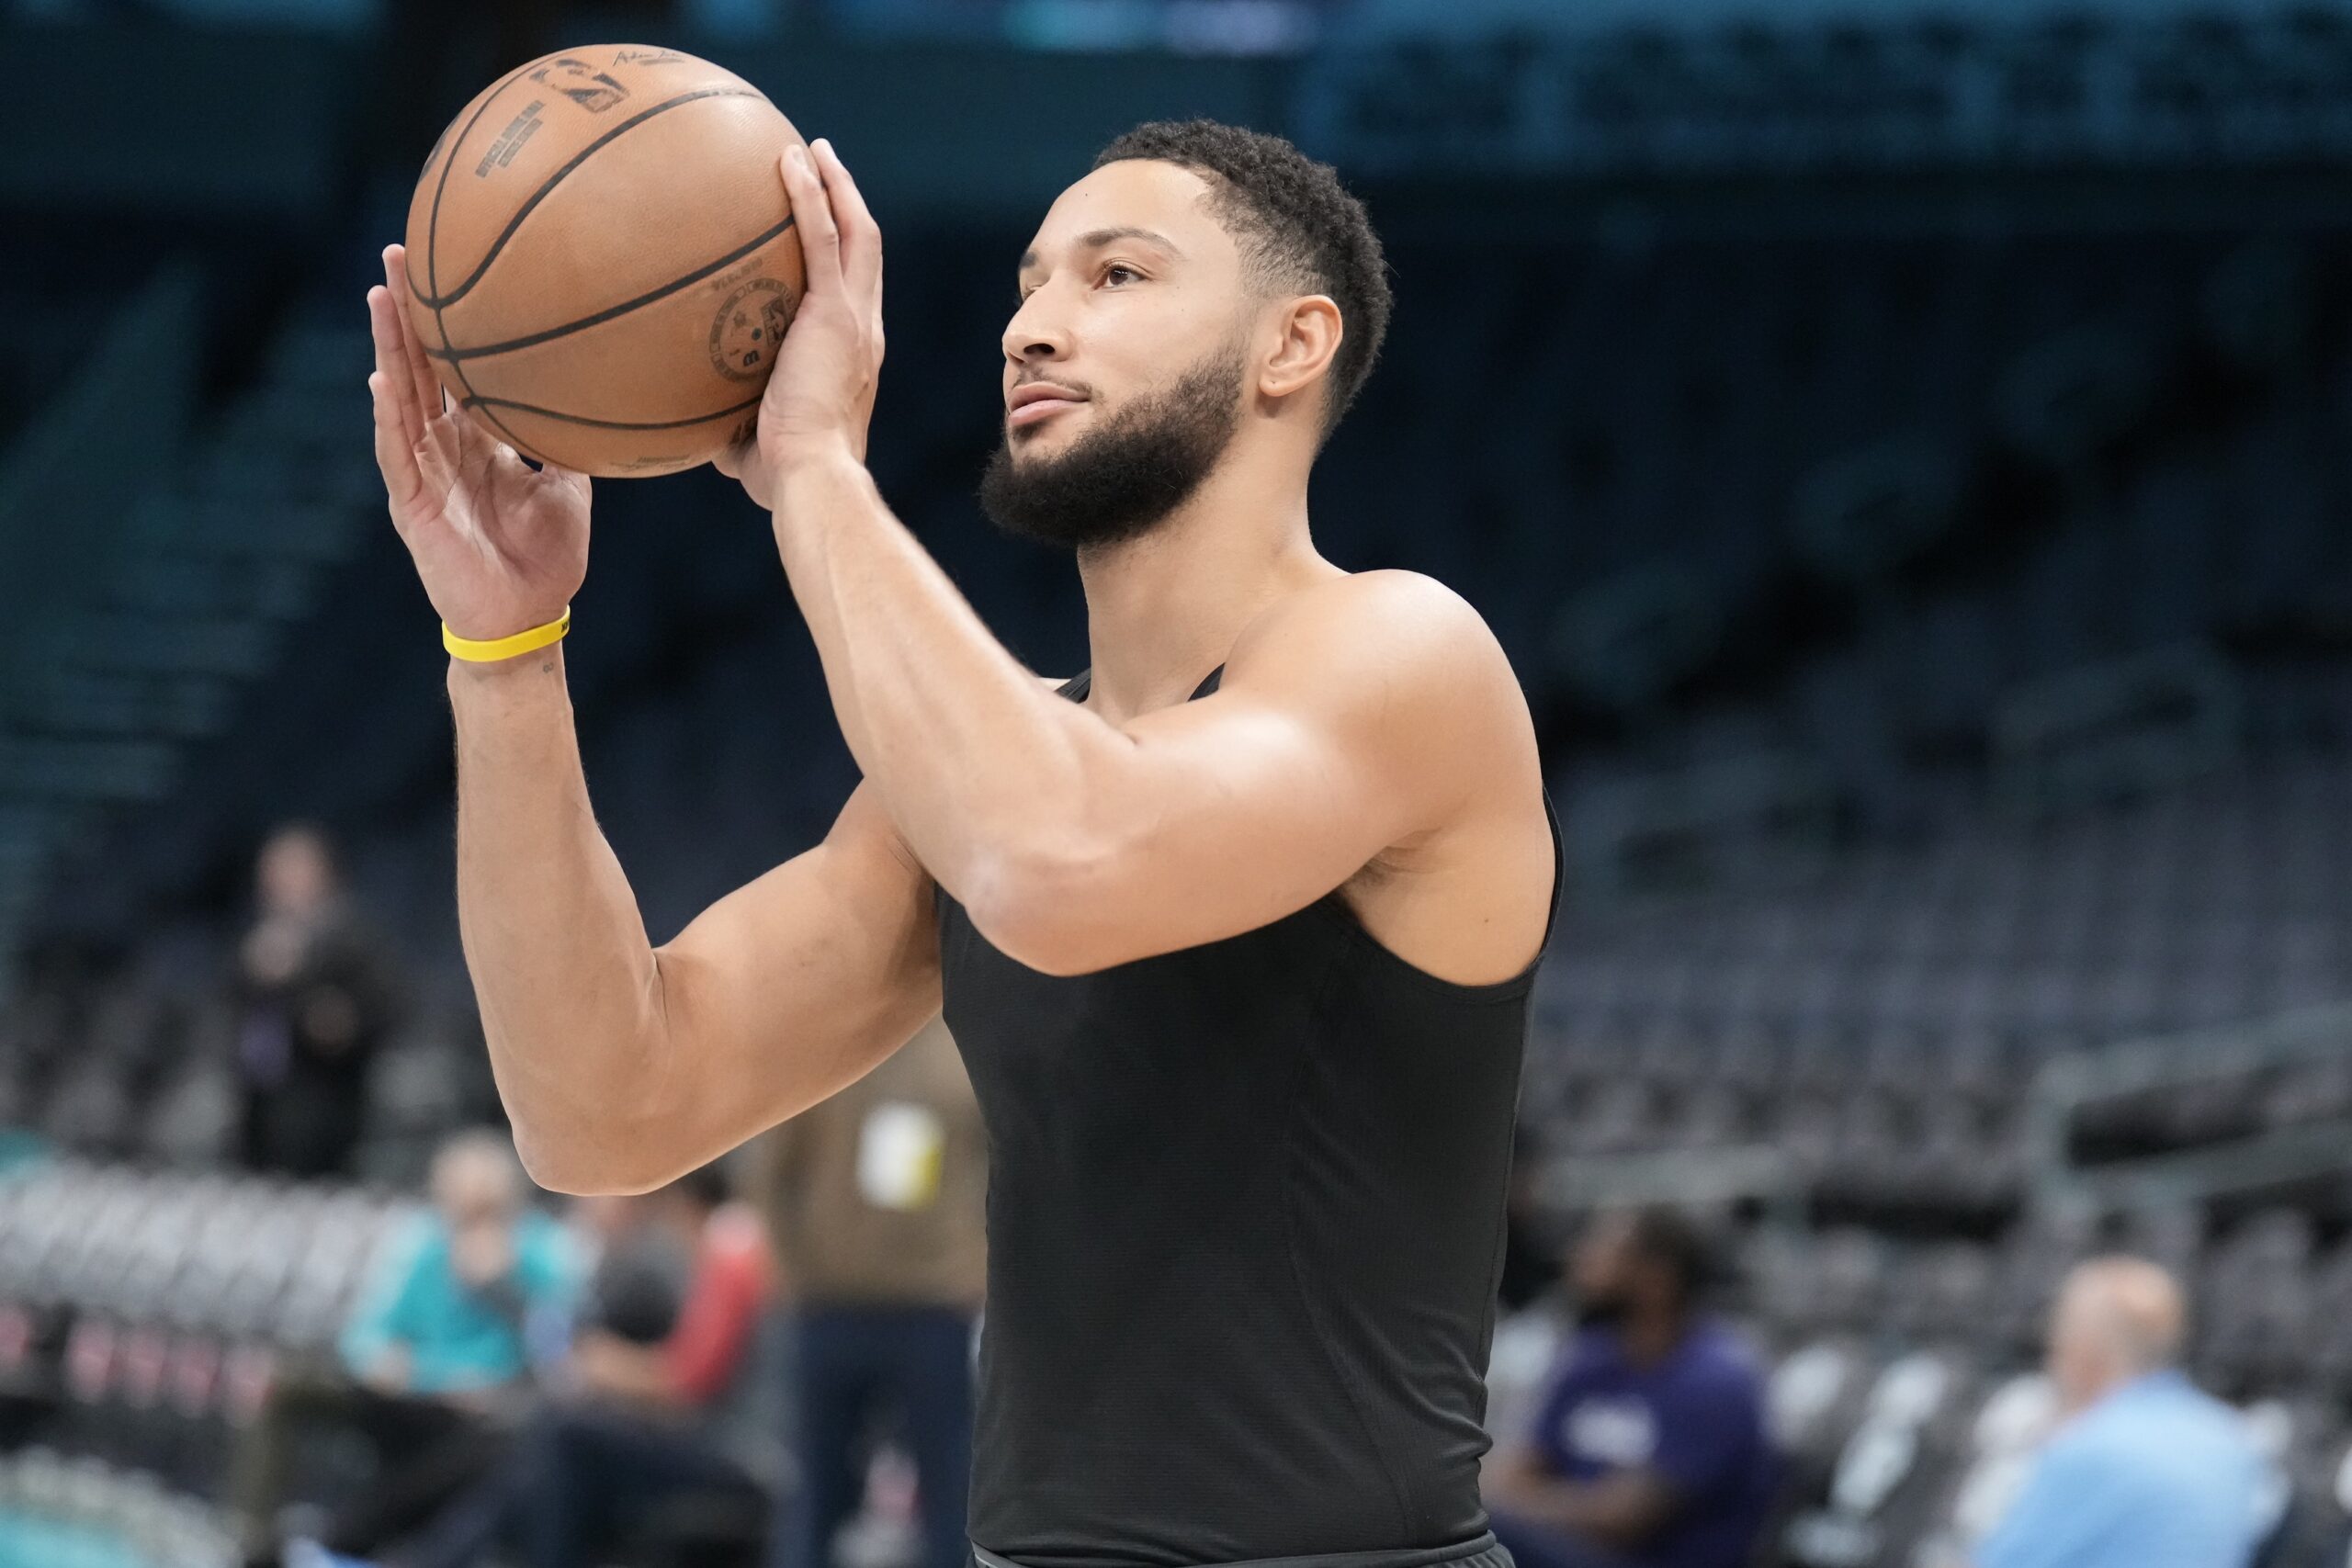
1125	477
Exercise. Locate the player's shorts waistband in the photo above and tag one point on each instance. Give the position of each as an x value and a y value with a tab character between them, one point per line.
1482	1550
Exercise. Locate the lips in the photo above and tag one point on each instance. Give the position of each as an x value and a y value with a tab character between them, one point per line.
1040	408
1035	401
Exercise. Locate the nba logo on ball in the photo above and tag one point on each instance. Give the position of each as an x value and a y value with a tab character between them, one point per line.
582	83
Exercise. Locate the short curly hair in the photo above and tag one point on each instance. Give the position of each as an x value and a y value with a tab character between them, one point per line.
1298	229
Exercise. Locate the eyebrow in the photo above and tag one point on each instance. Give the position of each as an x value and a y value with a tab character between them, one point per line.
1095	239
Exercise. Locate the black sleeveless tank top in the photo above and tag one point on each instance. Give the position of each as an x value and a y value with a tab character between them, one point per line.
1245	1220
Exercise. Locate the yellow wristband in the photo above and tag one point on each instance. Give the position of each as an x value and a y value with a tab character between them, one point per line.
507	647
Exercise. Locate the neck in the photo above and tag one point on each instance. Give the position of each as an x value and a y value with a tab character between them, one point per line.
1165	609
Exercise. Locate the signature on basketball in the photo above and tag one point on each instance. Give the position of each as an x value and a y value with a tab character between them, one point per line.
648	57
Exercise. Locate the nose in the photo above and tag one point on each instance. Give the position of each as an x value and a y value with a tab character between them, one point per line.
1032	335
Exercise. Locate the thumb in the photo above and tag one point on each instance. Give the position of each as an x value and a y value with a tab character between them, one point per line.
571	479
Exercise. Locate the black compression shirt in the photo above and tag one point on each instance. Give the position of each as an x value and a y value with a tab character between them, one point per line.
1245	1217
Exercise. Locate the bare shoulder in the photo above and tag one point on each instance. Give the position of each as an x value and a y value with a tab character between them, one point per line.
1402	642
1401	672
1400	609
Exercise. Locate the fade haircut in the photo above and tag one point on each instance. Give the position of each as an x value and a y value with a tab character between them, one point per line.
1298	230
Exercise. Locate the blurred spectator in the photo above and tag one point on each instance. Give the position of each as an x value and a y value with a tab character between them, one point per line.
874	1199
317	990
436	1345
656	1373
2145	1471
1649	1448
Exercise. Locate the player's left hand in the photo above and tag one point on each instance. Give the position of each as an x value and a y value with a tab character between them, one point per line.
821	396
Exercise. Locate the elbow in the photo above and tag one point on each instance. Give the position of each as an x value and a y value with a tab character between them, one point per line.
612	1153
563	1176
1046	907
606	1126
571	1170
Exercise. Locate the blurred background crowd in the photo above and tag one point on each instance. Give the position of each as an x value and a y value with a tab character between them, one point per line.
1903	447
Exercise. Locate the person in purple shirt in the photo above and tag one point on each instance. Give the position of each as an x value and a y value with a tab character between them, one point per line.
1649	1448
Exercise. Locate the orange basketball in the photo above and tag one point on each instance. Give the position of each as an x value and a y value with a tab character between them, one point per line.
601	258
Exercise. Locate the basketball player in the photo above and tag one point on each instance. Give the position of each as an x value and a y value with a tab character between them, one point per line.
1235	931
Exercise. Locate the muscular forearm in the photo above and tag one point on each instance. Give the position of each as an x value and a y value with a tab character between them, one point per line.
976	759
569	989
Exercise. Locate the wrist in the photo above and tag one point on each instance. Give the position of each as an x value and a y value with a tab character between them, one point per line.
803	461
548	660
513	644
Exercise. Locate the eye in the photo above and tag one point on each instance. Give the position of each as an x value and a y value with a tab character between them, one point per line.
1118	267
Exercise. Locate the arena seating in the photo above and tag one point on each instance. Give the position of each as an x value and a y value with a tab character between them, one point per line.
1881	1027
1775	522
142	1318
1531	87
1883	1023
1901	1383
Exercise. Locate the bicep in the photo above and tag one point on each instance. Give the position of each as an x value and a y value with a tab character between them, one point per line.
797	984
1345	729
1239	810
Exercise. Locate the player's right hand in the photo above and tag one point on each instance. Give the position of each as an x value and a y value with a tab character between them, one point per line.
501	547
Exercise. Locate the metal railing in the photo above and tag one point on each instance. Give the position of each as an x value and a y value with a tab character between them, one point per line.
1575	1184
2058	1178
2068	1086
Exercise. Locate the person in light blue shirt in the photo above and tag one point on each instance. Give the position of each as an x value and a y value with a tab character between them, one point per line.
2144	1470
435	1349
451	1298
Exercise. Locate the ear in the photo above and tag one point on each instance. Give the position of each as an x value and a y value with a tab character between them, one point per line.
1310	334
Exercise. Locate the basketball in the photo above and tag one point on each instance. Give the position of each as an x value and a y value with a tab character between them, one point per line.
600	259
